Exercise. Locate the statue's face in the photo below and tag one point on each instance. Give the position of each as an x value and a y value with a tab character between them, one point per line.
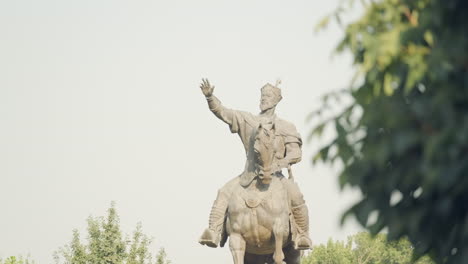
268	99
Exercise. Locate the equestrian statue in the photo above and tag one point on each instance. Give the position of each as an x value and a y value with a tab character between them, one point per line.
262	212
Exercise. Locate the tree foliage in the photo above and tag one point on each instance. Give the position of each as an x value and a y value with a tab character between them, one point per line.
362	248
161	257
106	245
16	260
403	140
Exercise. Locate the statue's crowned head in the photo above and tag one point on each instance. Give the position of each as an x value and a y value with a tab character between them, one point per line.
270	96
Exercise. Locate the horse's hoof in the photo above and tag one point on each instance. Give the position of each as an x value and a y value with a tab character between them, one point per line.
278	258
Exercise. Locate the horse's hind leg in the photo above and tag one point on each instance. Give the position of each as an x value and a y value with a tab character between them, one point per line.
292	256
278	256
237	246
257	259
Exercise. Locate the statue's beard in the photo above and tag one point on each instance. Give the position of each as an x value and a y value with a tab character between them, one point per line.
265	106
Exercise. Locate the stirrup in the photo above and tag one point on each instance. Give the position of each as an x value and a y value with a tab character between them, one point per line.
210	238
302	242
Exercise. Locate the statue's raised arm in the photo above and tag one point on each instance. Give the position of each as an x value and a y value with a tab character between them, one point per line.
206	88
221	112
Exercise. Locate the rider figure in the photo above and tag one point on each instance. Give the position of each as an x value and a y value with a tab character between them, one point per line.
288	151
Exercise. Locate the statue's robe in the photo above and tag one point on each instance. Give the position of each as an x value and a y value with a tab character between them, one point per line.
245	125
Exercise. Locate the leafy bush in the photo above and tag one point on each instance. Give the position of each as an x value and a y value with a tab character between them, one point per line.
363	248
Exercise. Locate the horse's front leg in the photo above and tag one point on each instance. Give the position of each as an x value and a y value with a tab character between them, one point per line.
278	232
237	246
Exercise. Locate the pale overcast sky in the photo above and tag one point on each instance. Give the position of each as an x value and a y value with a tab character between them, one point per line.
99	102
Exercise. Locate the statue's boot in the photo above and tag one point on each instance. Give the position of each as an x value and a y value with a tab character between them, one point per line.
301	217
212	235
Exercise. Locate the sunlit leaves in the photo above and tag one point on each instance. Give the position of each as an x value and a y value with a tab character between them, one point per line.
362	248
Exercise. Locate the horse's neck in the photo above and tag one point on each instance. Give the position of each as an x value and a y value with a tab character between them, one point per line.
256	186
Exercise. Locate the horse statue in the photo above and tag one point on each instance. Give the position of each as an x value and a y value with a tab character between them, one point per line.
258	220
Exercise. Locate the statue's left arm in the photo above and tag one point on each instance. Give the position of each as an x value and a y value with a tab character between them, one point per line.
292	143
292	156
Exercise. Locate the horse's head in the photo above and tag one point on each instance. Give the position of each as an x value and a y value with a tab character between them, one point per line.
265	151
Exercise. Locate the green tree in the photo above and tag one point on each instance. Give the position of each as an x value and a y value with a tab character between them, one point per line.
112	244
403	139
363	248
106	245
139	252
161	258
334	252
16	260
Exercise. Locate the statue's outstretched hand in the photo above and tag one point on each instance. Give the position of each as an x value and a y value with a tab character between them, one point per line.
206	88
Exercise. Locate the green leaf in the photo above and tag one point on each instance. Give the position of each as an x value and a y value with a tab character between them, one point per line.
322	24
429	38
388	82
